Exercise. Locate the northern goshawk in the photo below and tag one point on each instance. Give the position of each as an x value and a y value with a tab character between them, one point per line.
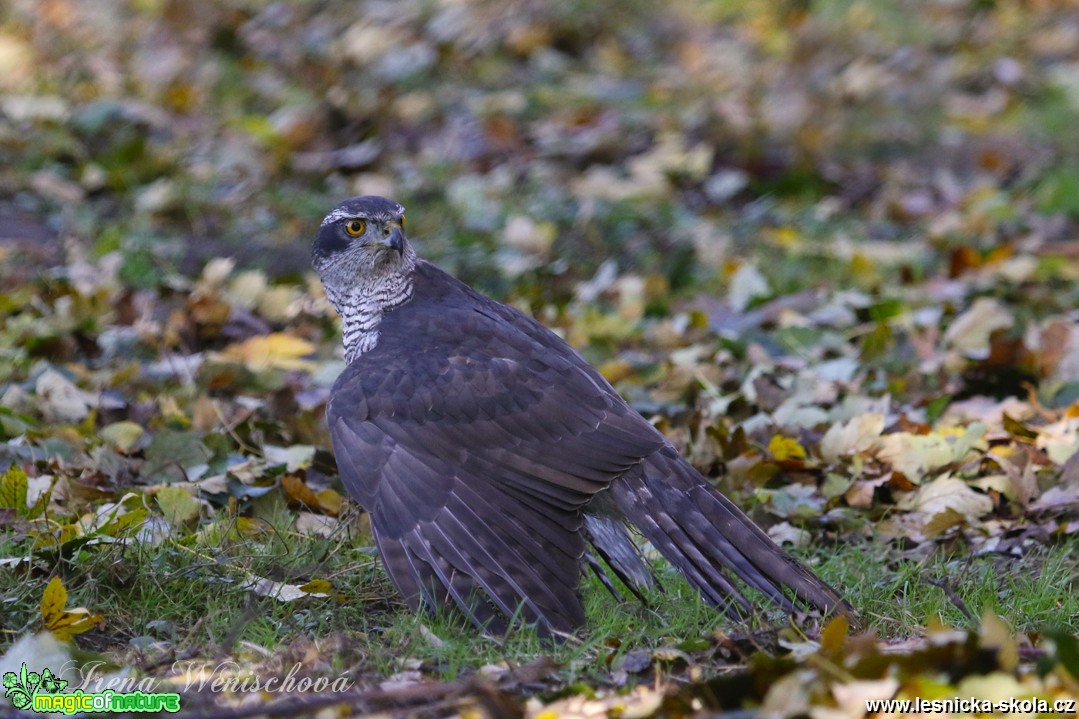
491	456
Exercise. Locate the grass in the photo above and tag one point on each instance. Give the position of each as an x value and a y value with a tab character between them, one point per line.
186	598
899	595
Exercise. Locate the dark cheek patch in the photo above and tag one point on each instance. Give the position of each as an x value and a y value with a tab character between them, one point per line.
330	241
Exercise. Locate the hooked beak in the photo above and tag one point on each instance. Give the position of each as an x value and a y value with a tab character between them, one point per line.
394	239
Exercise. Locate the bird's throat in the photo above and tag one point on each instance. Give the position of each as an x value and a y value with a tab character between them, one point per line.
362	306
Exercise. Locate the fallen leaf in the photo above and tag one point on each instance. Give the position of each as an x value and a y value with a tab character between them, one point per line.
782	448
787	533
914	455
851	698
858	434
13	489
296	457
122	435
997	687
970	332
747	283
177	504
947	493
317	588
274	351
330	502
995	633
60	400
636	704
64	623
317	525
298	492
1055	498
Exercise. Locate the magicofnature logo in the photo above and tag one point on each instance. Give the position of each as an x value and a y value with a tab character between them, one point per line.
44	692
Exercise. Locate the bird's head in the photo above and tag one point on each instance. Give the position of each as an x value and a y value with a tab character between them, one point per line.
362	238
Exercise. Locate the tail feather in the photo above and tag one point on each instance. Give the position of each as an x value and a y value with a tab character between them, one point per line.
702	533
612	542
687	556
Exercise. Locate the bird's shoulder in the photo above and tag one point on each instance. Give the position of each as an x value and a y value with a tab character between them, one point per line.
446	313
448	337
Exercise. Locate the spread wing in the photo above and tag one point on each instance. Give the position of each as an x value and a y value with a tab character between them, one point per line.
473	436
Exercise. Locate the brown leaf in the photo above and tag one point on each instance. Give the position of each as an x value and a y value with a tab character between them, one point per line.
1020	472
298	492
861	492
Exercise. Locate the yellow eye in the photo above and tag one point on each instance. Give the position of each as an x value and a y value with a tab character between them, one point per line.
355	228
402	221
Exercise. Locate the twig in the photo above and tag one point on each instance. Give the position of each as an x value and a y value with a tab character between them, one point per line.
950	593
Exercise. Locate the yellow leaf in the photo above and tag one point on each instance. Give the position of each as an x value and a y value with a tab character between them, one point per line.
123	523
786	237
996	633
1016	428
317	586
251	528
863	268
82	624
997	686
68	618
64	623
785	448
834	634
942	521
13	488
53	601
57	536
274	351
330	502
1003	451
614	371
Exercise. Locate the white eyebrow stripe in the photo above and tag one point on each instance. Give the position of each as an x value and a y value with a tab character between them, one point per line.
338	214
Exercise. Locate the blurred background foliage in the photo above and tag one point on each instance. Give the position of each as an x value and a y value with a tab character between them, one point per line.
531	140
